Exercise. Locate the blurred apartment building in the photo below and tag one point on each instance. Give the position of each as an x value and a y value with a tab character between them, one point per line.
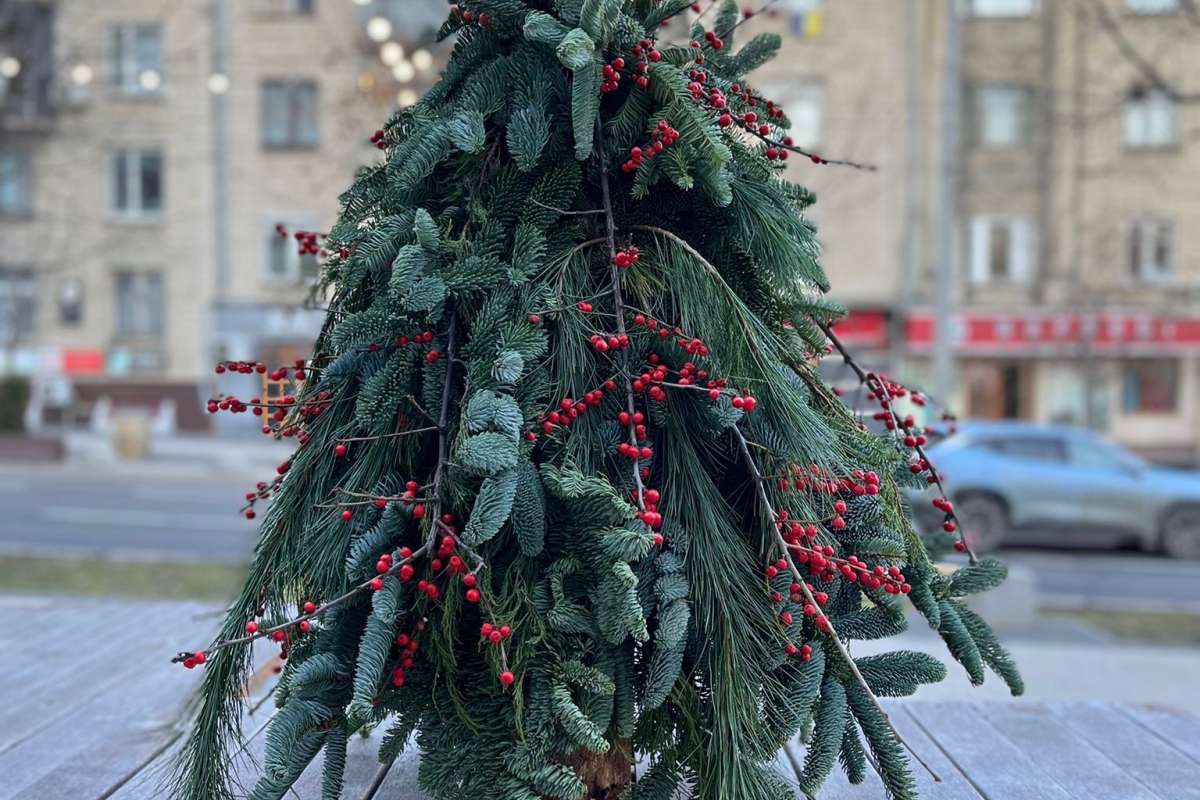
148	151
1075	263
145	164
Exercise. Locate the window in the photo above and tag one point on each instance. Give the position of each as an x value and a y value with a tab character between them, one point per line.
1002	116
289	114
1151	6
18	299
139	304
1003	8
137	183
137	59
1104	456
16	184
283	261
1031	448
803	101
1150	249
1001	250
298	7
1150	385
1151	119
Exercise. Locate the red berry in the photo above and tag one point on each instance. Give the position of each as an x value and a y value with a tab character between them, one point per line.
472	595
190	663
376	584
340	450
347	515
960	547
278	636
418	511
433	356
305	626
251	627
507	678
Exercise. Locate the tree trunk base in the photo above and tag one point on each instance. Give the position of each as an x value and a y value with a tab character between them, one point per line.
607	775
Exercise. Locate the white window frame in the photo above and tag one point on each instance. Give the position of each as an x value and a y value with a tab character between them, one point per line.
125	62
135	209
1020	98
1021	254
1147	231
1002	9
146	325
292	221
1137	120
290	87
21	177
1151	7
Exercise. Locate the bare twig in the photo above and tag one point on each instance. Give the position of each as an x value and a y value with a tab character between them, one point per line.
264	632
880	390
618	301
1144	66
395	435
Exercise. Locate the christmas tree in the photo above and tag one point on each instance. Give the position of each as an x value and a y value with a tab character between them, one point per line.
571	495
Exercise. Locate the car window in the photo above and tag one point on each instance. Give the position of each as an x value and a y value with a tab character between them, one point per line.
1028	448
1100	455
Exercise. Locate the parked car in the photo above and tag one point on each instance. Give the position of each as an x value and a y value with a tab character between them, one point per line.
1022	483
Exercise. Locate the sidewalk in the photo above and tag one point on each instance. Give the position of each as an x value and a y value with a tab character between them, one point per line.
1064	662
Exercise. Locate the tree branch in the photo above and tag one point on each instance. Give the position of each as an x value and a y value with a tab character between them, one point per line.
772	518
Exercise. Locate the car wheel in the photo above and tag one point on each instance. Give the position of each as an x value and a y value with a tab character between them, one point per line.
1181	534
984	521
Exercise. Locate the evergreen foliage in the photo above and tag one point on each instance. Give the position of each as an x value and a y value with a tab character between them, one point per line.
494	468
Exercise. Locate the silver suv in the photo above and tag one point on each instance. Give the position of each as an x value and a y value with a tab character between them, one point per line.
1022	483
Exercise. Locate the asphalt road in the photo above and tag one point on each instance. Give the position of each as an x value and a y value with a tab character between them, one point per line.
124	519
103	516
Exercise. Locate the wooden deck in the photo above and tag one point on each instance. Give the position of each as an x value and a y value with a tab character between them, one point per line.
89	697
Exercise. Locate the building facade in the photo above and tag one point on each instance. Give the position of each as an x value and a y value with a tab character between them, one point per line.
150	148
150	152
1074	281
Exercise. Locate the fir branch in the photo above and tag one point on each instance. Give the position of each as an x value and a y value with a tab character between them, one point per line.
781	543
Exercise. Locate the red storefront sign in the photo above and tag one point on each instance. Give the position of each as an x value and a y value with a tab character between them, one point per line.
1066	332
83	362
865	330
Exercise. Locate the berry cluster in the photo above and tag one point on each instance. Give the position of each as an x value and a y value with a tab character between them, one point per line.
470	16
378	139
408	650
262	491
650	515
570	410
612	75
664	136
627	257
603	345
240	367
584	307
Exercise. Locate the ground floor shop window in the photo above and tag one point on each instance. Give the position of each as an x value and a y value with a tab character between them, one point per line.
1150	385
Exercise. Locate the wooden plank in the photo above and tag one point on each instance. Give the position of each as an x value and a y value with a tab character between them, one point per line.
996	767
1083	770
114	732
401	780
74	681
1150	759
1181	731
144	779
950	783
58	637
